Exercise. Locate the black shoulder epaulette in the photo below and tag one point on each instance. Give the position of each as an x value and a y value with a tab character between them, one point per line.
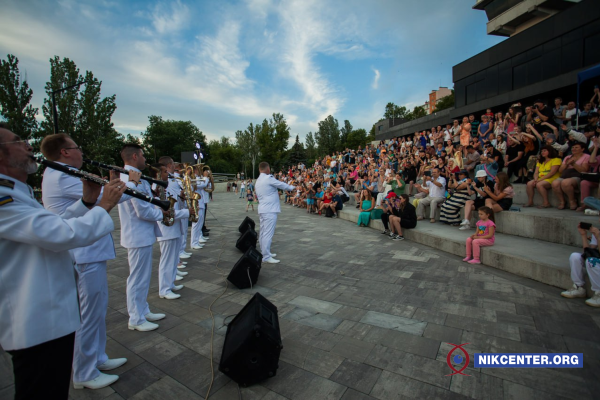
7	183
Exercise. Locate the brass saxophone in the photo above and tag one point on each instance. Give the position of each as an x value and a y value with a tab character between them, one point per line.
192	198
169	217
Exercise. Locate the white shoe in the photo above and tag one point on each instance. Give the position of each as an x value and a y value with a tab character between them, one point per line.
591	212
170	296
202	240
202	237
594	301
145	327
154	316
184	255
181	273
181	266
102	380
112	364
178	278
271	260
574	292
176	288
465	222
185	252
196	247
273	255
183	262
465	227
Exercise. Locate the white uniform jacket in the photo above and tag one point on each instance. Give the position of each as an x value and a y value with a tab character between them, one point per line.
138	218
38	293
59	192
176	230
266	192
201	184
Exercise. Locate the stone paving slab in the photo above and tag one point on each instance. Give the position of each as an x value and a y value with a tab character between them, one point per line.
361	317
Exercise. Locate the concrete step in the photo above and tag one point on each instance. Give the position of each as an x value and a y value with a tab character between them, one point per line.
535	259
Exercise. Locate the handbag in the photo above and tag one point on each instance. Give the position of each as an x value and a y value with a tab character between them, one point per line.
590	252
570	173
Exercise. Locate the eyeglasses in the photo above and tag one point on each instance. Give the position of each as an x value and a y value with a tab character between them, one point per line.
27	142
73	148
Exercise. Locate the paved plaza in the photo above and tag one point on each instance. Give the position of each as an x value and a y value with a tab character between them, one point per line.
361	316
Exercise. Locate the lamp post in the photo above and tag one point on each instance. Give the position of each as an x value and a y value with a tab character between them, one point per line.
54	110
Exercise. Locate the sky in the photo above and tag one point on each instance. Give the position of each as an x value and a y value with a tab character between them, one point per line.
223	64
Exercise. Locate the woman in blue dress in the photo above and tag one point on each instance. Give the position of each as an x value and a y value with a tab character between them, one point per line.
366	206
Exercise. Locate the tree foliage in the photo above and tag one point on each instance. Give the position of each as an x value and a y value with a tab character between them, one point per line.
418	112
272	140
393	111
445	102
328	135
311	148
225	156
297	153
345	132
170	138
247	141
357	137
82	112
15	96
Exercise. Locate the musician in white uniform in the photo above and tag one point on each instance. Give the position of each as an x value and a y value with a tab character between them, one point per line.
170	239
268	208
206	198
39	311
59	192
184	221
197	240
138	234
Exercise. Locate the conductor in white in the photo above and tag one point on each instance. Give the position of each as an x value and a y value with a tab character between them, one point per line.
268	208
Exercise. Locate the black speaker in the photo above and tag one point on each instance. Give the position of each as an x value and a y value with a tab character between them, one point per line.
247	222
252	343
247	240
246	269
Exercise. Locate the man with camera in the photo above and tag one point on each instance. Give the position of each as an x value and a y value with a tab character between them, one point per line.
541	114
588	260
436	189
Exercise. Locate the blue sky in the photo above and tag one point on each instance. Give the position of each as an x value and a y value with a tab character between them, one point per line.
224	64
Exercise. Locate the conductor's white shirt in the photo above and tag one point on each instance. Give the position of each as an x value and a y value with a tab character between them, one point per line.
38	293
266	193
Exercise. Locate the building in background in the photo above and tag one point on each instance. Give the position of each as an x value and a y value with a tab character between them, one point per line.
435	96
540	59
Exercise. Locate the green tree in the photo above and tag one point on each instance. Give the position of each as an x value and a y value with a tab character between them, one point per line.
344	132
311	148
225	157
328	135
170	138
418	112
393	111
247	141
357	137
82	112
297	153
445	102
272	139
15	96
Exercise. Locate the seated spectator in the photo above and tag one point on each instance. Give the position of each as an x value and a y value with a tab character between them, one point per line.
546	172
436	194
501	198
489	165
588	261
472	158
494	155
366	206
514	155
483	236
501	146
570	176
484	129
586	186
478	187
461	192
406	217
327	199
389	205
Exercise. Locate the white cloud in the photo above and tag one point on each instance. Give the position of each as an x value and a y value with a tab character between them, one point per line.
375	83
172	18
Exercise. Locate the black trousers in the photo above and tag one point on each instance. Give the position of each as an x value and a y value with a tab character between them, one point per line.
204	217
385	218
44	371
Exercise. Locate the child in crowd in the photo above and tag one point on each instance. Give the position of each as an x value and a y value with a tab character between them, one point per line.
484	235
250	198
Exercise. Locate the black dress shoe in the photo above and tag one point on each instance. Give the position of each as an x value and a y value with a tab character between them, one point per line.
206	230
205	234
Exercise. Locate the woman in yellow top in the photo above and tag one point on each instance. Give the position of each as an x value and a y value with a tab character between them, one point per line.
546	171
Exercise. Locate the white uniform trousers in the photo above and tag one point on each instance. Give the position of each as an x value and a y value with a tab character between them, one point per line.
167	268
185	234
90	339
138	283
578	272
197	228
267	229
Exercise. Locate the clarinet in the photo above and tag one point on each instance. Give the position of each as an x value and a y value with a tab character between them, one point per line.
89	177
124	171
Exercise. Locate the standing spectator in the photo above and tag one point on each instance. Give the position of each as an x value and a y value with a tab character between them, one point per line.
228	186
474	126
455	133
243	188
465	135
570	115
570	176
501	198
546	172
484	129
559	111
512	119
501	146
541	113
499	127
514	156
436	189
484	236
